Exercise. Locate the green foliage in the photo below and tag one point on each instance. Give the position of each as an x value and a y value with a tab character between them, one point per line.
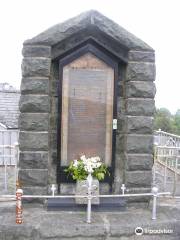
79	173
100	172
166	121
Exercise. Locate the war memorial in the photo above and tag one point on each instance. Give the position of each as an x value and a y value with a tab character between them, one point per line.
87	90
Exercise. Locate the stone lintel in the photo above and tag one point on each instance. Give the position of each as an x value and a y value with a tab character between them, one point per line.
34	103
29	141
33	159
140	71
36	51
34	121
37	67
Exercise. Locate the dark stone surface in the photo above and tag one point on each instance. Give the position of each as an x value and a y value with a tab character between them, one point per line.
36	51
139	161
34	103
139	143
140	89
140	106
138	71
140	56
138	124
33	160
34	121
37	67
35	85
33	141
138	178
105	205
91	19
33	177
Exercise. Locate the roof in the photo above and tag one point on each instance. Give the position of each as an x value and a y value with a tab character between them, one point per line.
90	19
9	105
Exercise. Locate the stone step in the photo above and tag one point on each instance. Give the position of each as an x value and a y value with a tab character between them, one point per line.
106	204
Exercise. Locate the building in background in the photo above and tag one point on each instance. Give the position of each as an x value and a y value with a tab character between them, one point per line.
9	113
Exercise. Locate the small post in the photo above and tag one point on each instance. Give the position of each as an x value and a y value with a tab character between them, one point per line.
123	188
89	197
155	194
53	189
5	175
19	194
16	157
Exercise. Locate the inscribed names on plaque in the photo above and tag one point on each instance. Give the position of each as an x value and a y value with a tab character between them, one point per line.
87	109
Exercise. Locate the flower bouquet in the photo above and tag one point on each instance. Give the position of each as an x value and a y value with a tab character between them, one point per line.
79	169
84	169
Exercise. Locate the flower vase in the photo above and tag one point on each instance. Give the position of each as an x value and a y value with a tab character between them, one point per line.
82	189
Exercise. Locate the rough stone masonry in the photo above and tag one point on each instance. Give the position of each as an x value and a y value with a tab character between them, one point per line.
39	101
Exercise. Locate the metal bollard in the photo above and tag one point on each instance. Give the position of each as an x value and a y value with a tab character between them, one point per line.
89	197
155	194
19	194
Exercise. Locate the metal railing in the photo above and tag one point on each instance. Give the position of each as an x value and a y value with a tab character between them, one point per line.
8	168
167	167
19	196
162	138
9	156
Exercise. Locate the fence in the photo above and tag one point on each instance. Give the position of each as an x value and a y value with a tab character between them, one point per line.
166	170
8	160
162	138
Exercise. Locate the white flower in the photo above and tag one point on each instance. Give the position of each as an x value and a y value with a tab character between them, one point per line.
83	158
75	163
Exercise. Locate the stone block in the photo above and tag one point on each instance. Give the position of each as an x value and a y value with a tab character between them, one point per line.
138	161
33	160
139	143
82	189
140	106
120	142
36	51
139	71
138	178
53	140
34	103
33	177
140	89
35	190
34	121
140	56
37	67
139	124
33	85
33	141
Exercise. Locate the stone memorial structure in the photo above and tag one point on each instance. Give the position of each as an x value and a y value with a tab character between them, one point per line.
87	87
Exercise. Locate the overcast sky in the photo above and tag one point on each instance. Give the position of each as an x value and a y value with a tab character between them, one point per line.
156	22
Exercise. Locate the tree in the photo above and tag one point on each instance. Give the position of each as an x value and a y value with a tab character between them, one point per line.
163	120
177	121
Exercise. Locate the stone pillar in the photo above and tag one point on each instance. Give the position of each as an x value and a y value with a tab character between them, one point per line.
34	119
138	129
